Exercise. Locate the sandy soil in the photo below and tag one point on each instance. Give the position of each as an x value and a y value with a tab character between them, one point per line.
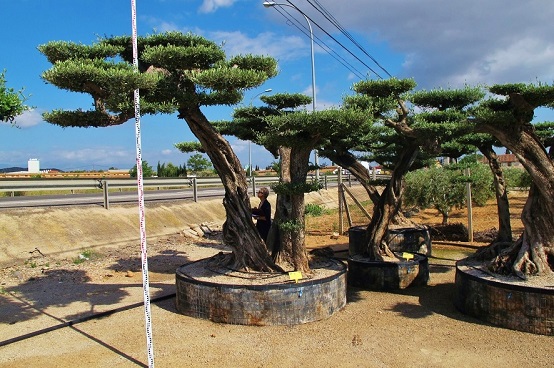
45	303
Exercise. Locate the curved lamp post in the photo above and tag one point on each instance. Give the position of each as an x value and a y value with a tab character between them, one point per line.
250	142
270	4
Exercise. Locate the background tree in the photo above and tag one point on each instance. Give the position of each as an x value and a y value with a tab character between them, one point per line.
485	143
147	170
170	170
11	102
198	163
507	116
177	72
444	188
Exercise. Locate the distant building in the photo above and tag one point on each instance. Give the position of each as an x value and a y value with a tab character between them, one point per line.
33	166
507	160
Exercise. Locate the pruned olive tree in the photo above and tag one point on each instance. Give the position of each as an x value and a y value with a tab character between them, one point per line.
508	116
177	72
291	135
410	134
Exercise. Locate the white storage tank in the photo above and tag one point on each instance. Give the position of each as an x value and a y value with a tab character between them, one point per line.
33	165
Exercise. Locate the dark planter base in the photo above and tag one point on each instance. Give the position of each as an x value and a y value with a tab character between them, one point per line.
278	303
512	305
377	275
408	239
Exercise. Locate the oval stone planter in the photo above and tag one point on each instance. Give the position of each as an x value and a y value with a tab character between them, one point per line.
279	303
512	305
382	275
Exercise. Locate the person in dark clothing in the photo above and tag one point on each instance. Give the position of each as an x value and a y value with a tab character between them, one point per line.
262	213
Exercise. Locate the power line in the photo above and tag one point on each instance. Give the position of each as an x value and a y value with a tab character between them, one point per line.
336	24
302	28
321	9
338	42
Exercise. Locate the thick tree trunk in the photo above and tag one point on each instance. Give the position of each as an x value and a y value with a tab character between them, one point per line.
239	232
388	206
287	236
502	204
533	253
445	217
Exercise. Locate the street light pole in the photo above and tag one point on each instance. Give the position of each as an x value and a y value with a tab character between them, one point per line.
270	4
250	142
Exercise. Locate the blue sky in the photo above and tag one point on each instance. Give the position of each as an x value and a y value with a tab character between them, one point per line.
439	43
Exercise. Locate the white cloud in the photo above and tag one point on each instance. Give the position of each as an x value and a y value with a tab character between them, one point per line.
28	119
450	43
267	43
167	152
92	156
209	6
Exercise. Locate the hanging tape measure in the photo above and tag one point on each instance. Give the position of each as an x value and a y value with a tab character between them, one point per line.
140	189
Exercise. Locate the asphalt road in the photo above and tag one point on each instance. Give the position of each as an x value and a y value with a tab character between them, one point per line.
114	197
98	199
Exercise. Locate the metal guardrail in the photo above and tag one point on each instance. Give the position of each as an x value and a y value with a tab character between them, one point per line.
14	185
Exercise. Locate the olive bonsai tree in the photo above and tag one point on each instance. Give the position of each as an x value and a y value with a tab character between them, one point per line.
176	73
507	116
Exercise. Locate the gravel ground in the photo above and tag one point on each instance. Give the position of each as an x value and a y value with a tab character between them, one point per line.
416	327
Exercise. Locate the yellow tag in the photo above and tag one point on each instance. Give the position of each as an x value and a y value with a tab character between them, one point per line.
408	256
295	275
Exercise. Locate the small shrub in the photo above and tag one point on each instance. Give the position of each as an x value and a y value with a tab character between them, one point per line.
314	210
517	178
84	256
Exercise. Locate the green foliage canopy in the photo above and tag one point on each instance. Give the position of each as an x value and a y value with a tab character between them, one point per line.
11	102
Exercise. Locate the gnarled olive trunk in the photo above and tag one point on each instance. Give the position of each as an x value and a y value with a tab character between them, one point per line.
502	204
533	252
239	232
388	206
287	235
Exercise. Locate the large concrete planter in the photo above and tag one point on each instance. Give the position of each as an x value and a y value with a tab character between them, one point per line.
383	275
512	304
264	303
408	239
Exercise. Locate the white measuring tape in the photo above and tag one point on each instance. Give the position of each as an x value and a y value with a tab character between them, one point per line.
144	257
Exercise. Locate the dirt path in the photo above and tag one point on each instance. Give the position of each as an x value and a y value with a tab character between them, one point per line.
415	327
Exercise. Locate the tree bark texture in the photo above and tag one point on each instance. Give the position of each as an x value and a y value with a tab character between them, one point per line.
288	244
533	253
388	206
501	192
239	231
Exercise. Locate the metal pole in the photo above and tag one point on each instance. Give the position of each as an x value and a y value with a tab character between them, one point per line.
469	208
269	4
341	204
106	197
250	142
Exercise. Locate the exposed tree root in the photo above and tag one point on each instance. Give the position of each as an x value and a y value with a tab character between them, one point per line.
519	258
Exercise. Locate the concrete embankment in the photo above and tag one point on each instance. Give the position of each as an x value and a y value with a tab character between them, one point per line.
65	231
